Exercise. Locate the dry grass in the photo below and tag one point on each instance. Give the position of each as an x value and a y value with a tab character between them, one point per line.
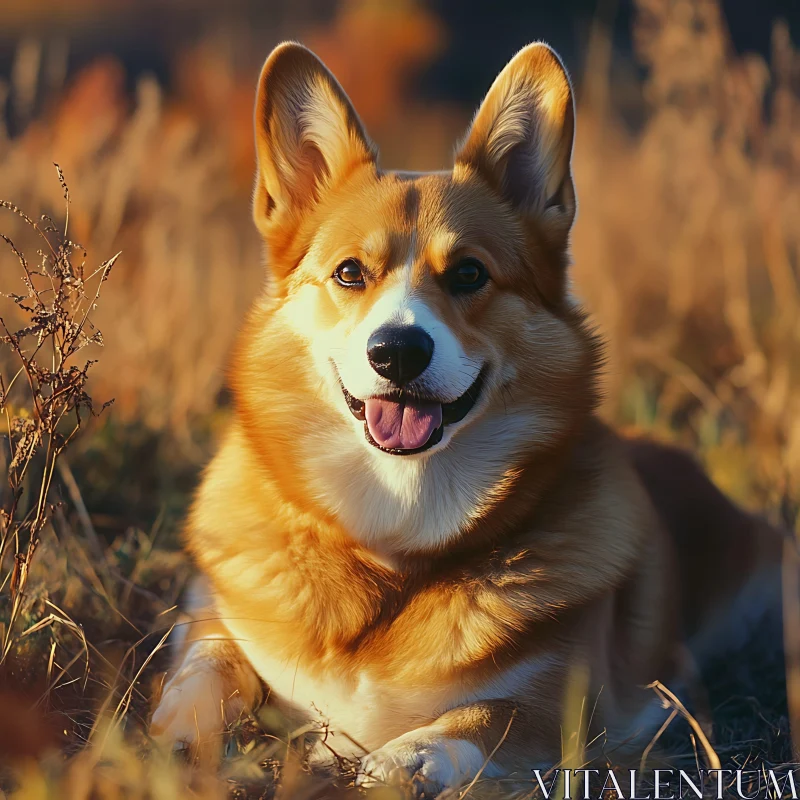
687	250
688	243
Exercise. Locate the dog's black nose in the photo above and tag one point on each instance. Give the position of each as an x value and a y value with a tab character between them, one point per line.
399	353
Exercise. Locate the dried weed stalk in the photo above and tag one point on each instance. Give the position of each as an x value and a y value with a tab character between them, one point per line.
45	401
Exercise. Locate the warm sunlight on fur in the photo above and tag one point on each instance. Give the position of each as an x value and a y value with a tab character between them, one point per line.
416	523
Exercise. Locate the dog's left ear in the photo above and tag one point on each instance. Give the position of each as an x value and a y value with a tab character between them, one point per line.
308	138
521	139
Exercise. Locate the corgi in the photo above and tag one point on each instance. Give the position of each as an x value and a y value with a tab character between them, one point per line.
416	526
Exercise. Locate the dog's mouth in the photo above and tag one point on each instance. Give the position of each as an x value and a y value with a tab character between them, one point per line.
403	423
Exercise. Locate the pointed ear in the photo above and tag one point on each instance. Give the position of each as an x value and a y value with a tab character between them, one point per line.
520	140
308	138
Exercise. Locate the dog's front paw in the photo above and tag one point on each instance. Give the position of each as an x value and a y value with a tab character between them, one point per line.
190	716
427	760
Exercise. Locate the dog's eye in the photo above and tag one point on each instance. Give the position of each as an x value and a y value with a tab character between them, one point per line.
349	273
468	276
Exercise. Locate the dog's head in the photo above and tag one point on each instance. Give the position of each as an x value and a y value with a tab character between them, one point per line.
417	341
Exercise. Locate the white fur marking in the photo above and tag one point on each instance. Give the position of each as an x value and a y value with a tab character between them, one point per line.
450	373
438	761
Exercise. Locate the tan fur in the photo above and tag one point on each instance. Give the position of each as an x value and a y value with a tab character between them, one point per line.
419	603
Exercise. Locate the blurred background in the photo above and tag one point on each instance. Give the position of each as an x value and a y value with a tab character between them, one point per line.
687	168
686	251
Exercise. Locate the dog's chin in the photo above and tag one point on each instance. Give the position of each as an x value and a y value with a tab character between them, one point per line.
439	415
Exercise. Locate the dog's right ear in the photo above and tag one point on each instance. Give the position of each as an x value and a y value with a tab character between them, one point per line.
308	138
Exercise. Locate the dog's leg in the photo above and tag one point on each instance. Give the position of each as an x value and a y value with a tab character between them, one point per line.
493	736
212	683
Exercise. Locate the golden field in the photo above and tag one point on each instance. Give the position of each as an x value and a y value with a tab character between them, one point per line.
686	251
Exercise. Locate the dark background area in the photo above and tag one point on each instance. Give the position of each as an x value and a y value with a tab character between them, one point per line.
480	35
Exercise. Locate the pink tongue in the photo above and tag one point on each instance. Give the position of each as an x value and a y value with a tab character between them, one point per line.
402	426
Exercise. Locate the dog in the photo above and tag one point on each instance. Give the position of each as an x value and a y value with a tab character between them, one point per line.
416	528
